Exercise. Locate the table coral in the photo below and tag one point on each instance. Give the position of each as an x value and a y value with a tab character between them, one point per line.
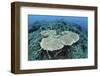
68	37
51	44
48	32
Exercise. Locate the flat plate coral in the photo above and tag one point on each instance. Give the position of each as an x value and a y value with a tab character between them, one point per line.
51	44
68	37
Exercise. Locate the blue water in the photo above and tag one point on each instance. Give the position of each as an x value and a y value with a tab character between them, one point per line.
81	21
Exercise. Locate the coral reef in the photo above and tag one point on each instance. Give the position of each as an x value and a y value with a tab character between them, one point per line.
65	41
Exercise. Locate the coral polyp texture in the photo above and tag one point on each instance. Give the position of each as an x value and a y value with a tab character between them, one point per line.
51	44
57	39
68	38
48	32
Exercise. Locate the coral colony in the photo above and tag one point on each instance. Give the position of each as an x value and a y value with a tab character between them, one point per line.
57	40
